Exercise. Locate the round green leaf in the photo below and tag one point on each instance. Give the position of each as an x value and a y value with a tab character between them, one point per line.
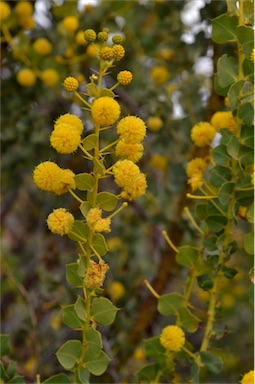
85	207
80	308
69	353
79	231
107	201
153	347
170	303
97	366
227	71
187	256
99	243
90	141
84	181
249	243
224	28
58	379
188	320
70	318
72	276
103	311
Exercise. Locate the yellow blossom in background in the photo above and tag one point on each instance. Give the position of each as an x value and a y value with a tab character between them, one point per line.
95	274
26	77
124	77
160	74
71	84
252	55
165	53
5	11
171	88
158	162
172	338
154	123
24	8
116	290
64	139
80	78
196	166
105	111
248	378
114	243
55	322
202	134
42	46
131	129
46	176
118	52
49	77
96	222
93	50
223	119
26	22
70	23
30	365
227	301
132	152
80	39
139	354
60	221
72	120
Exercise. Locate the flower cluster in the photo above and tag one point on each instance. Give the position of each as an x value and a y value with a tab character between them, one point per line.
96	222
172	338
95	274
60	221
223	119
202	134
195	169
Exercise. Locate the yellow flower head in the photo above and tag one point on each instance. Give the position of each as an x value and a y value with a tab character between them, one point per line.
195	166
154	123
26	21
65	139
116	290
96	222
223	119
93	50
105	111
128	151
125	172
117	39
95	274
24	8
118	52
124	77
72	120
195	181
71	84
60	221
49	77
248	378
90	35
42	46
139	354
102	36
5	11
47	175
106	53
70	23
80	39
252	55
202	134
66	182
160	74
26	77
135	189
114	244
172	338
132	129
158	162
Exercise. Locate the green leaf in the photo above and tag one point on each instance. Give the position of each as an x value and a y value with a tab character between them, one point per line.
80	308
3	373
234	94
187	320
103	311
246	113
58	379
229	273
216	222
224	28
107	92
187	256
250	214
246	155
94	341
211	362
69	353
84	181
84	376
246	37
97	366
5	345
227	71
169	304
72	276
90	141
18	379
98	166
201	211
85	207
147	374
70	318
92	89
224	194
247	136
249	243
220	154
205	282
210	243
222	91
99	243
79	231
107	201
218	175
248	11
12	367
233	147
153	348
231	5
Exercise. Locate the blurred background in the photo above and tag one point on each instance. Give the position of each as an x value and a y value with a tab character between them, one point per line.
173	59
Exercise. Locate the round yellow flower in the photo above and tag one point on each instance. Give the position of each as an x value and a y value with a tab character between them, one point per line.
172	338
132	152
26	77
47	175
79	38
96	222
139	354
135	189
125	172
65	139
132	129
116	290
95	274
49	77
195	166
118	52
248	378
60	221
124	77
72	120
71	84
5	11
26	22
102	36
106	53
154	123
202	134
24	8
117	39
42	46
90	35
223	119
158	162
160	74
66	182
70	23
105	111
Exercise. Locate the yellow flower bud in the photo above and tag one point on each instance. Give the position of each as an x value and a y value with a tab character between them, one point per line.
90	35
172	338
106	53
26	77
5	11
118	52
42	46
49	77
60	221
71	84
70	23
124	77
